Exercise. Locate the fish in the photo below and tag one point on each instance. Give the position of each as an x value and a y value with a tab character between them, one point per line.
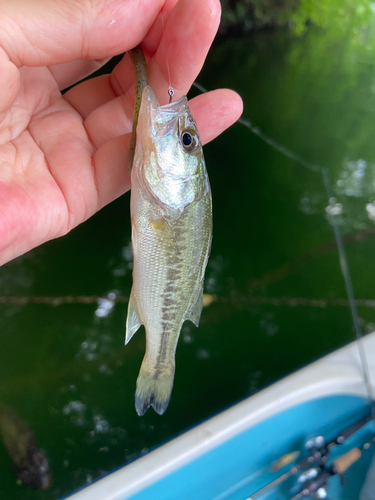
171	219
29	462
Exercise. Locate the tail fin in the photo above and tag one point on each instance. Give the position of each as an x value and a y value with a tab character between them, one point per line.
154	387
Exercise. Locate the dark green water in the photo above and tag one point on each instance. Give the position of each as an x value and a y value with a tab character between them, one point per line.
274	268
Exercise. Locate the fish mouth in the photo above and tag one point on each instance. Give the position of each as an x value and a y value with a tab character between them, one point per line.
169	106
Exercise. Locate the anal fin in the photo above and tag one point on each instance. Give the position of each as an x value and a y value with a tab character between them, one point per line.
132	321
195	310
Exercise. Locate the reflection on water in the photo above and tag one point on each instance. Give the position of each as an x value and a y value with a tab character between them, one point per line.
268	325
76	409
370	207
310	203
334	208
355	179
123	265
105	306
215	275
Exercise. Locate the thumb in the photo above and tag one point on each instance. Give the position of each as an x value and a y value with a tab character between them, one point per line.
44	32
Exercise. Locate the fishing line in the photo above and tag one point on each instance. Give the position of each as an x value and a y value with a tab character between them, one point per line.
350	291
339	242
170	88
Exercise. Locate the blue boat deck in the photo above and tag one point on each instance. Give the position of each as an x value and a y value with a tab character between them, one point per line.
240	467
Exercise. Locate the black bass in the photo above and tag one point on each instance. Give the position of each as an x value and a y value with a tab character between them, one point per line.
171	216
29	462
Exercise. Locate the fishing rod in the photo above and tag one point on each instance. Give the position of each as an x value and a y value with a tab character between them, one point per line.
315	472
315	481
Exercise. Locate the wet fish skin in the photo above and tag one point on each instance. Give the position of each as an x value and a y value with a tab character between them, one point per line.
171	215
29	462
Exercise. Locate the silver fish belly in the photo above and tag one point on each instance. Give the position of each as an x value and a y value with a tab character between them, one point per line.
171	215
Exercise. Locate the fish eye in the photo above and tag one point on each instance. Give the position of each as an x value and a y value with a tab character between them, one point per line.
189	140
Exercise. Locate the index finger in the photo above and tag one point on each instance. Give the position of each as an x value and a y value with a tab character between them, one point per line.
44	32
181	52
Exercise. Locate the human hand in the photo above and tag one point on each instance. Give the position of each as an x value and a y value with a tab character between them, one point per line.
62	158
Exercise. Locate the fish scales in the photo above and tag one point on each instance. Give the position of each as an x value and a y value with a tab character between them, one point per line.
171	239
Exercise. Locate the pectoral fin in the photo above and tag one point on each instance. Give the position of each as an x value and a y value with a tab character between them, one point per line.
163	231
132	321
195	311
